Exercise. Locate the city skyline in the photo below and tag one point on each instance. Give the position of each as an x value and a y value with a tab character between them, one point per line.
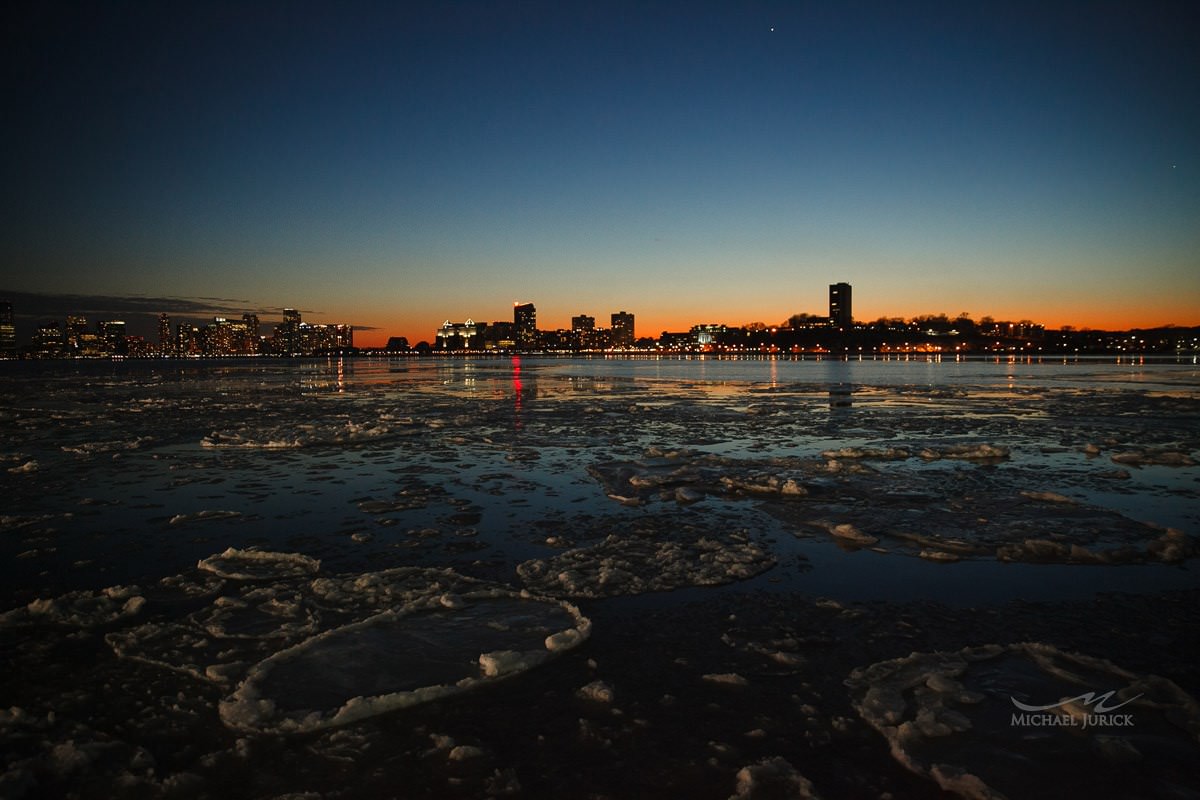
838	331
198	312
393	167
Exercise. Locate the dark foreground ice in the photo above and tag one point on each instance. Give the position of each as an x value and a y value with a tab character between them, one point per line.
548	578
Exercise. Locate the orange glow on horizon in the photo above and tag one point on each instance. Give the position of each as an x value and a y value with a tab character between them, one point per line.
652	325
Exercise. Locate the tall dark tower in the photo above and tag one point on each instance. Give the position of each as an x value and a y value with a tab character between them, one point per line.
165	346
525	324
8	331
287	333
622	329
839	306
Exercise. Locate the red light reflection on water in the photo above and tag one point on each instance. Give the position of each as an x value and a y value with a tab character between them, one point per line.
516	382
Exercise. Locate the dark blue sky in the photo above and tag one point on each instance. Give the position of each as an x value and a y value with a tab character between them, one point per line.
395	166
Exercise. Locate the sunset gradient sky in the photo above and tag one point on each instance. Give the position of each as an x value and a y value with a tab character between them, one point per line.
395	165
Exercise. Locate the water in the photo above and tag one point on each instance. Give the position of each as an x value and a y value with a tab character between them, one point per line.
647	491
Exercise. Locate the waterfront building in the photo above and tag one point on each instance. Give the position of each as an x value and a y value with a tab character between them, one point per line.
622	329
500	335
188	340
48	341
840	314
8	330
165	346
325	338
254	341
287	333
706	335
226	337
525	324
75	330
112	333
459	335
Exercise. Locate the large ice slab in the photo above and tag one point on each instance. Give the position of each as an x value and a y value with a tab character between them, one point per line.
400	658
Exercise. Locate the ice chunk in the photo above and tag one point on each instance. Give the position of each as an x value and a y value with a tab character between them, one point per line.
725	678
463	752
793	489
1141	458
1049	497
971	452
881	453
503	662
565	640
848	533
771	778
597	692
198	516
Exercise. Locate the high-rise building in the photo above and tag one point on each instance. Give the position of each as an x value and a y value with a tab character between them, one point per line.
112	333
48	341
622	329
287	333
840	315
165	345
8	329
187	340
76	330
583	323
252	330
525	323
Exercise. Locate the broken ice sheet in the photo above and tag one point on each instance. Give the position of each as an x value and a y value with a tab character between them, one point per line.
80	609
316	651
954	718
339	431
624	565
984	521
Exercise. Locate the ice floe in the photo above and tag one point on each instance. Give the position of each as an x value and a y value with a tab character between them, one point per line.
1144	458
965	719
249	565
633	565
972	452
397	659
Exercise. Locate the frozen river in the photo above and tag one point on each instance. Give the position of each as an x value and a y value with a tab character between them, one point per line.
593	578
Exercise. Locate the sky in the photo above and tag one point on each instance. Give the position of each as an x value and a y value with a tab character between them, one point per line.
395	165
